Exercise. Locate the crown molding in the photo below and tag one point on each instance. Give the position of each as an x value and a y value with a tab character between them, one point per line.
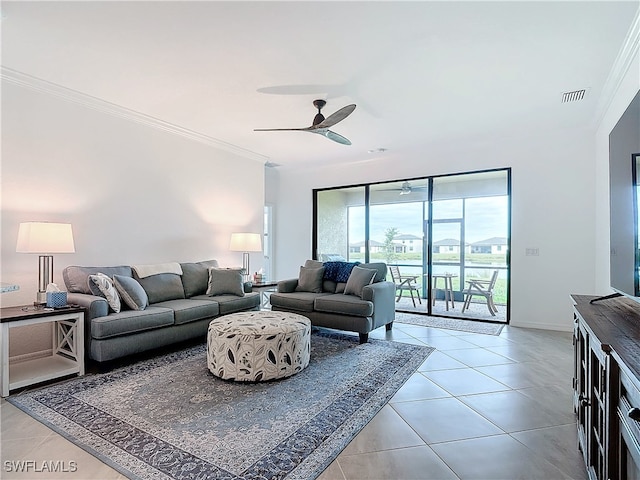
43	86
620	68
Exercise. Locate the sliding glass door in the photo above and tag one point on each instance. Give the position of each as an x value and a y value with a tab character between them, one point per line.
449	234
470	243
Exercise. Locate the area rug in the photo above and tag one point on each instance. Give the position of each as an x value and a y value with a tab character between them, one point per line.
449	323
168	417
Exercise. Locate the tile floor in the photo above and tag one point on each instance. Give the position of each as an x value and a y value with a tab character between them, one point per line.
480	407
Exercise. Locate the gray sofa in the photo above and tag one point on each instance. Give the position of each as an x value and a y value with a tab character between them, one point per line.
352	301
157	308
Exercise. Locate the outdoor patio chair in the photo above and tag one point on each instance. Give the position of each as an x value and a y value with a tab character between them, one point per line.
481	288
405	283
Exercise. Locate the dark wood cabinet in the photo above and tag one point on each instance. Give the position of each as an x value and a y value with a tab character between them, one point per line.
606	386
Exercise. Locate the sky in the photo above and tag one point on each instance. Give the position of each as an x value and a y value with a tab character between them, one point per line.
486	217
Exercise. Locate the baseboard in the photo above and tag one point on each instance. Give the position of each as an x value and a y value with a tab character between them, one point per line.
25	357
543	326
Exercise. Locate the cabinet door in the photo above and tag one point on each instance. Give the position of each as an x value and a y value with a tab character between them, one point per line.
597	411
580	379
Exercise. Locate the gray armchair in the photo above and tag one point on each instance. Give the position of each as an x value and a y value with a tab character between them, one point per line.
357	305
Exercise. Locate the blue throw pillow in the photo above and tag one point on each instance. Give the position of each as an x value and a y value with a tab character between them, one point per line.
338	271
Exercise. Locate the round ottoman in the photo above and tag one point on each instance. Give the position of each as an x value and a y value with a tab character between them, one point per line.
258	346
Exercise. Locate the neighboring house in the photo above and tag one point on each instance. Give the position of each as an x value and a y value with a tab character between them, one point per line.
495	245
448	245
358	247
407	243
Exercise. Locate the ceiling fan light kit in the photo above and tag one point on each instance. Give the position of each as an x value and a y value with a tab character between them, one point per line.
321	124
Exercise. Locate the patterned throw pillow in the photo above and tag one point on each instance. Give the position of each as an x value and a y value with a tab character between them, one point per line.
338	271
108	290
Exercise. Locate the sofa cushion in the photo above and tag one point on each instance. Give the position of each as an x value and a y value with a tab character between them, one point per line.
344	305
130	321
233	303
359	278
195	277
76	278
225	281
338	271
106	289
162	287
310	280
131	292
329	286
379	267
299	301
185	311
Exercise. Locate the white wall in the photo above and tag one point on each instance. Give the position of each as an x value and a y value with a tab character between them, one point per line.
552	209
133	193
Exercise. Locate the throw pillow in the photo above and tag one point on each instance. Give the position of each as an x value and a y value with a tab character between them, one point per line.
313	264
225	281
310	280
359	278
338	271
107	289
195	277
131	292
162	287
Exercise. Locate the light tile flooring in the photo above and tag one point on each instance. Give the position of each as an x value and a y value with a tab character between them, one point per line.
480	407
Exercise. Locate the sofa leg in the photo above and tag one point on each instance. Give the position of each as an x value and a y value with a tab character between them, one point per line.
389	326
364	337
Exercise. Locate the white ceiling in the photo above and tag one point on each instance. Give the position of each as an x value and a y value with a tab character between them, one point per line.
421	73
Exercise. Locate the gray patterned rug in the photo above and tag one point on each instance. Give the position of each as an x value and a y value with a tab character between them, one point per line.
168	417
470	326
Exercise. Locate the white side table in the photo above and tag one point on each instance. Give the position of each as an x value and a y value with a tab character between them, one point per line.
265	288
67	356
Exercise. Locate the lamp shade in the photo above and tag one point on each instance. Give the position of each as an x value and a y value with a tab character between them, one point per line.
245	242
45	237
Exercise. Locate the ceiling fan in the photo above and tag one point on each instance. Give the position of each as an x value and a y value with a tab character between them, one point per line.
320	124
406	188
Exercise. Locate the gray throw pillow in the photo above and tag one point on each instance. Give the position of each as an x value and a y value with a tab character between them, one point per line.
358	279
313	264
195	277
107	289
131	292
162	287
225	281
310	280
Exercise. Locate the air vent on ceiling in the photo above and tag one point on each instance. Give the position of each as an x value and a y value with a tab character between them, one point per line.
574	96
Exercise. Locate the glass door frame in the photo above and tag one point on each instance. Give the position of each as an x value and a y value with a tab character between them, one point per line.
427	246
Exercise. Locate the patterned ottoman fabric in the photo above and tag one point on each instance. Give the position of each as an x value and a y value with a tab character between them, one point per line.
258	346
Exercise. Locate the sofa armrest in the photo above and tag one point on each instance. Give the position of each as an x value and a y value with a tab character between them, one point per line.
382	295
95	306
287	286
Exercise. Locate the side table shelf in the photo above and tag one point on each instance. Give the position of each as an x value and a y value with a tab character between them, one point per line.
67	356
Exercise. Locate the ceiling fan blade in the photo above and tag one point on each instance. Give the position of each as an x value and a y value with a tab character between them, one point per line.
336	137
280	129
295	89
336	117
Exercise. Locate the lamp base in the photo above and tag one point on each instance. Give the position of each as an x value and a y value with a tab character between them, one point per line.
41	299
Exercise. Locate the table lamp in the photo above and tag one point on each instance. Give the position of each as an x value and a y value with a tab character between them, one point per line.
245	242
45	238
